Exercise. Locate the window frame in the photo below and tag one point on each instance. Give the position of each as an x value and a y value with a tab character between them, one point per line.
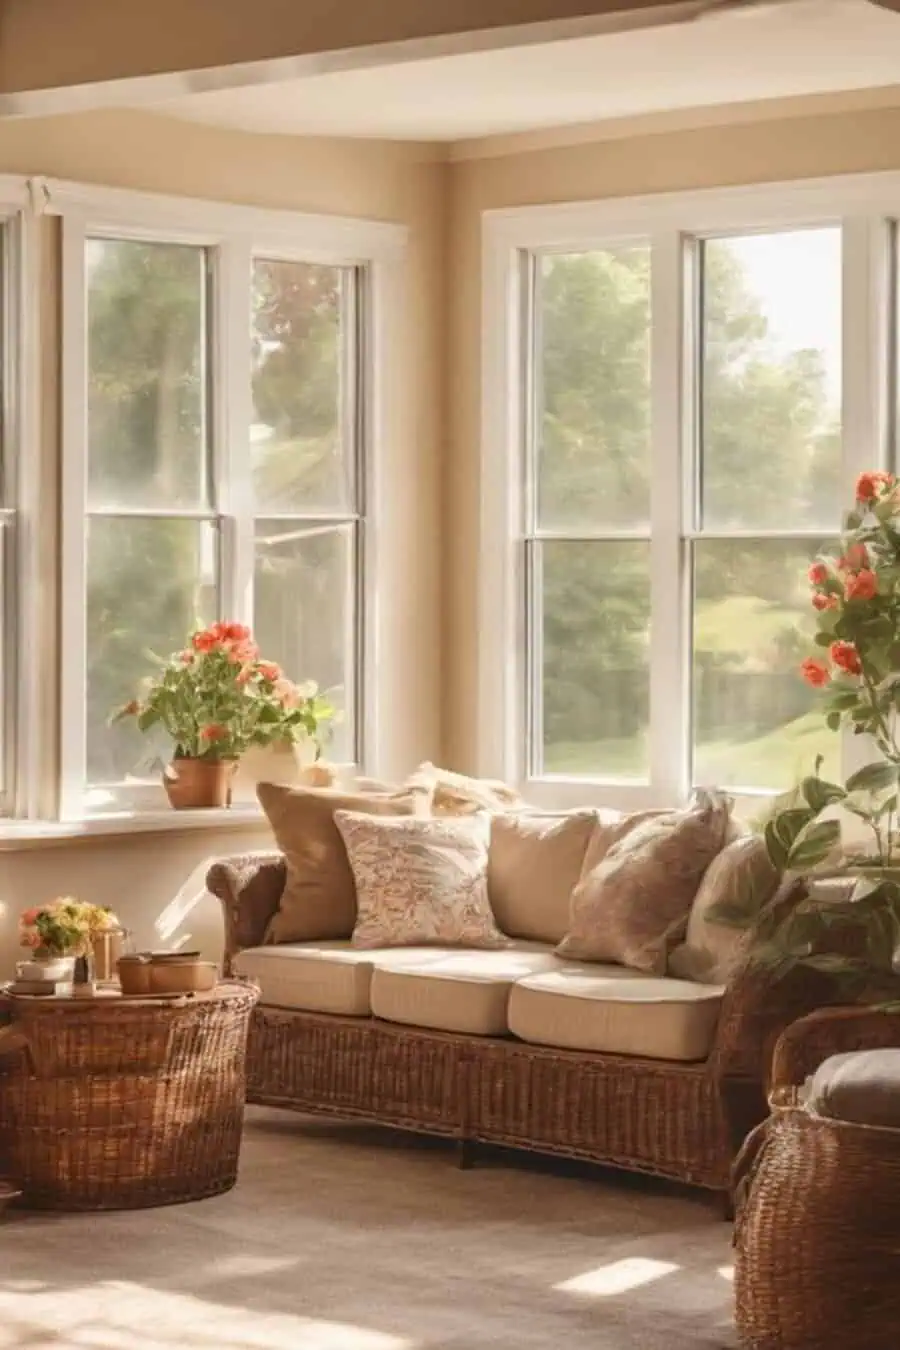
867	208
232	235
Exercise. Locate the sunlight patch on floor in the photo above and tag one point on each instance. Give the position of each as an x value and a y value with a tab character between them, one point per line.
727	1273
126	1316
617	1277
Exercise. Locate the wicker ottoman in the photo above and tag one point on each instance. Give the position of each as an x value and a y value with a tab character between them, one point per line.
817	1264
116	1103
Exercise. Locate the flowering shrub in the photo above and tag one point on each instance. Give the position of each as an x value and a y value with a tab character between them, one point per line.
218	697
854	933
66	927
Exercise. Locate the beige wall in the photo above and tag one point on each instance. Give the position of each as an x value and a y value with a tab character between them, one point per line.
797	147
141	876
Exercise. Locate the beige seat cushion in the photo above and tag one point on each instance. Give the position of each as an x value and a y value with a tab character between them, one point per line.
535	861
319	897
740	878
326	977
616	1011
463	991
632	907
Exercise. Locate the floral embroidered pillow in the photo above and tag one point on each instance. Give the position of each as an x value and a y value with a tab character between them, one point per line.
420	880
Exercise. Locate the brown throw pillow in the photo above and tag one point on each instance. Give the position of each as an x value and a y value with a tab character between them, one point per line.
319	897
534	864
420	882
632	907
742	877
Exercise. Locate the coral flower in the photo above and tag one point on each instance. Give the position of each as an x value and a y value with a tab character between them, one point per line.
862	586
814	672
214	732
817	574
269	670
822	600
869	485
846	657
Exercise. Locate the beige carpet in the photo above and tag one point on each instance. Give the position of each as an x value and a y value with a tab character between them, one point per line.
339	1238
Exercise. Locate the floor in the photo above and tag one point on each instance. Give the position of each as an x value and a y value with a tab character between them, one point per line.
343	1238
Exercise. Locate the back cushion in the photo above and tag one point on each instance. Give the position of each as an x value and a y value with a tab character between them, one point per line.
534	862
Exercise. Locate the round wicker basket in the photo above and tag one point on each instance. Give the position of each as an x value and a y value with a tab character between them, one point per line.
118	1103
817	1237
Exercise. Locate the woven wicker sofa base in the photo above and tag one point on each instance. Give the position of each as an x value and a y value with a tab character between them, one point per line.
639	1114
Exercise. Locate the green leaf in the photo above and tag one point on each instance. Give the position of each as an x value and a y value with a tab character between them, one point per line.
833	721
778	853
875	777
814	844
825	639
820	793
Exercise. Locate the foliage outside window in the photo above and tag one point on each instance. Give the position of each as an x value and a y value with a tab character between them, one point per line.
762	473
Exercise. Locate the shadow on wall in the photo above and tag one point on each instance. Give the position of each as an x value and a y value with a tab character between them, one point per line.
154	883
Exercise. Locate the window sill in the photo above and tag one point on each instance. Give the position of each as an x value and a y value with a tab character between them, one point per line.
26	834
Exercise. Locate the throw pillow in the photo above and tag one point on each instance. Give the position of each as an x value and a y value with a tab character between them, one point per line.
453	794
632	907
420	881
742	877
319	898
534	863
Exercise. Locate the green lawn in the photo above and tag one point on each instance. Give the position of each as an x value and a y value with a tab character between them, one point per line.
775	760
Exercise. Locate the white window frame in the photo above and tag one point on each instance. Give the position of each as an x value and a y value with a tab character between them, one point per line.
867	208
233	235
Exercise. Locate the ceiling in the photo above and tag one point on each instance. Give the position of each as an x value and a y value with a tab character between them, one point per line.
777	50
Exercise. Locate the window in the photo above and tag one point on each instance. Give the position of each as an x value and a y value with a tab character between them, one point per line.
692	386
306	439
218	427
589	534
769	492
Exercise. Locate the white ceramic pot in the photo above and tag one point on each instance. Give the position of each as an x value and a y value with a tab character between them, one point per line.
50	968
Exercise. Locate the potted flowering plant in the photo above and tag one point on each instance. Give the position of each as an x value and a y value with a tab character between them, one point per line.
216	699
848	832
61	932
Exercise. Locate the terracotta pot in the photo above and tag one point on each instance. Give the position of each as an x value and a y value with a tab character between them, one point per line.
192	783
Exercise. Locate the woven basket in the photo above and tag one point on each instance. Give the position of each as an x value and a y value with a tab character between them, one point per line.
818	1236
117	1104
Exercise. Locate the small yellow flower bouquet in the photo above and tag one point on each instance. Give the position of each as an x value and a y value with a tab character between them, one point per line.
65	927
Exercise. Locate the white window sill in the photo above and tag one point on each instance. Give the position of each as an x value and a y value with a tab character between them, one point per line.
24	834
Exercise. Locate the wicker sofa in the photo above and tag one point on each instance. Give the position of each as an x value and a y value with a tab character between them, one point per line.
357	1035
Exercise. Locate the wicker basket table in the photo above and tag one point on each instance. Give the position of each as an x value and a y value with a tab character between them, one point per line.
121	1103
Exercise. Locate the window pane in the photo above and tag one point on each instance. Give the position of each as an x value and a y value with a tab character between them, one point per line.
593	395
771	375
146	419
305	613
594	628
300	460
149	582
755	724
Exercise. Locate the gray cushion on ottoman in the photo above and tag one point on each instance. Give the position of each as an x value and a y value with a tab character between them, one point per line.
863	1087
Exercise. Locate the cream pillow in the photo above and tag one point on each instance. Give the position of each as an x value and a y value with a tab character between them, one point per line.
319	898
453	794
632	907
534	864
420	881
742	877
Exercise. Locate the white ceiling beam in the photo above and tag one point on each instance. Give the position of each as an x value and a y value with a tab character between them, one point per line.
67	55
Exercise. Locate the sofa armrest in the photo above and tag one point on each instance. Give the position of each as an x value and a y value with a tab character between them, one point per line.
809	1041
760	1002
249	886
